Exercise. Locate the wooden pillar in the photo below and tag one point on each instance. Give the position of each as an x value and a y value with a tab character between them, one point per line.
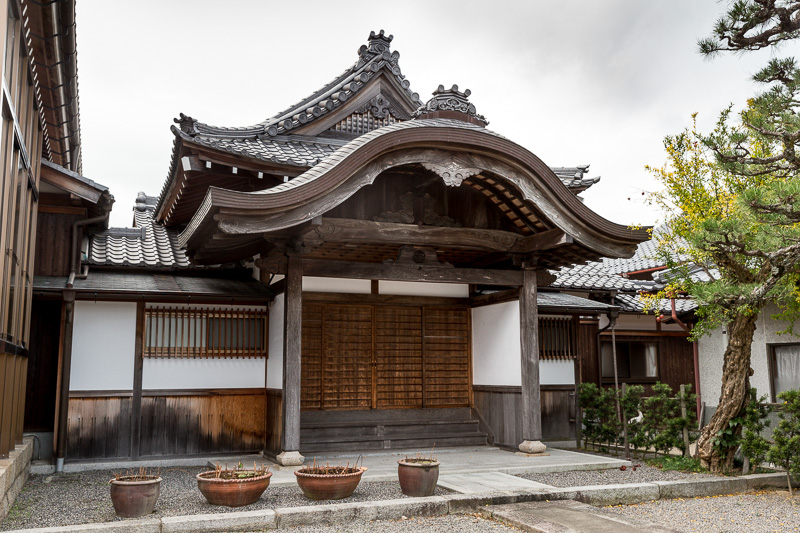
138	365
22	383
292	334
529	355
63	385
8	362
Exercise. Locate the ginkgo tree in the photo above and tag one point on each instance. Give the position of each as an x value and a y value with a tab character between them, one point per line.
732	204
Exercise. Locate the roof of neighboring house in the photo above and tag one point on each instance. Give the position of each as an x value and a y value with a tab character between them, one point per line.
559	301
147	244
611	275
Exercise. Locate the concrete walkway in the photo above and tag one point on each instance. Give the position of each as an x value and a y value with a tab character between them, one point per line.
382	466
564	517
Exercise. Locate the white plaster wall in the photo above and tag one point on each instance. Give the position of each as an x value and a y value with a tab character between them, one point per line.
638	322
495	345
413	288
347	286
556	372
275	361
103	340
711	350
496	350
211	373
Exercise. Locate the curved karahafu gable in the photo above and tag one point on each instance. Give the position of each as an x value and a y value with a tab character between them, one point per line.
462	154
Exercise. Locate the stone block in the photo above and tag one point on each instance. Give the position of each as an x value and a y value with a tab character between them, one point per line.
339	513
768	481
128	526
466	503
616	494
690	488
241	521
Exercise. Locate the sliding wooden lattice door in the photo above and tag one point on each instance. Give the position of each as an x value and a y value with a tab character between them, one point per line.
384	357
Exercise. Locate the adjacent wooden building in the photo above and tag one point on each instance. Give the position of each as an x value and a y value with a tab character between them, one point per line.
40	135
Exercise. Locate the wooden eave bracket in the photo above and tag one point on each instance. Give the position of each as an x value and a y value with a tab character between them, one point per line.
69	184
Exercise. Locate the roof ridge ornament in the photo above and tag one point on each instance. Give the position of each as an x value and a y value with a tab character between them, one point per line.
451	103
378	43
186	123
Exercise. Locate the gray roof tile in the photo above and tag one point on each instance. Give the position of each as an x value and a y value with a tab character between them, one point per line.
155	247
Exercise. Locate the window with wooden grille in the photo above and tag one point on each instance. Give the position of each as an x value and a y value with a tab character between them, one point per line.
557	338
187	332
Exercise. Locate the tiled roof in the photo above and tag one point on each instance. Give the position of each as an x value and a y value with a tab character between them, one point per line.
154	245
161	284
293	150
562	301
607	275
574	177
633	303
592	277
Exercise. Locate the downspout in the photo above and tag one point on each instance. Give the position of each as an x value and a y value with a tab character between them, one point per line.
74	263
688	330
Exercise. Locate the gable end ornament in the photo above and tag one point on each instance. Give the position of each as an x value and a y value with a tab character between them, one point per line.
451	173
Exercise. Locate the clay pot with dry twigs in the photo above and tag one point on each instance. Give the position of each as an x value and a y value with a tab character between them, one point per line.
233	488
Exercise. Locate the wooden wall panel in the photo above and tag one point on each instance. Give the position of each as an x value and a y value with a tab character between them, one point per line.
173	423
500	407
274	429
98	428
676	362
398	357
587	352
40	404
311	358
446	348
53	242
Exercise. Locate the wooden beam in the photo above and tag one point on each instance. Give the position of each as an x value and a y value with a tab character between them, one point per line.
342	230
494	298
545	240
352	270
70	184
62	210
382	299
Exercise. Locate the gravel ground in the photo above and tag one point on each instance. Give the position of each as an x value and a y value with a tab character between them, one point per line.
643	474
82	498
757	512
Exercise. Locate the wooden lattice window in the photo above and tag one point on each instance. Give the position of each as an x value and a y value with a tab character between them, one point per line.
187	332
557	339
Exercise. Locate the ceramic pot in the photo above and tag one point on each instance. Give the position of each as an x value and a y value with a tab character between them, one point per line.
232	492
418	478
135	498
328	486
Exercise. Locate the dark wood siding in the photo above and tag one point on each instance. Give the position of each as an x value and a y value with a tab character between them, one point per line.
587	351
53	242
40	405
500	407
274	429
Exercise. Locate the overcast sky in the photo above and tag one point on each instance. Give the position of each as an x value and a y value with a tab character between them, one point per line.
574	81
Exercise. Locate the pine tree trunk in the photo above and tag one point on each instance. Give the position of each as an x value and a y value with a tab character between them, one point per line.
734	394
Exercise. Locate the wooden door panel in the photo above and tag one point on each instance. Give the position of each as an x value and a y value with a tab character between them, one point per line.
387	357
446	345
398	357
347	357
